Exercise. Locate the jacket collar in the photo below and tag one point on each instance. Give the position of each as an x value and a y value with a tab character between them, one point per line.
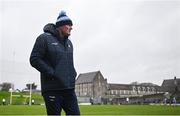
51	28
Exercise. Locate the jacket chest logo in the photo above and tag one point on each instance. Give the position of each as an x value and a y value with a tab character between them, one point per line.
54	43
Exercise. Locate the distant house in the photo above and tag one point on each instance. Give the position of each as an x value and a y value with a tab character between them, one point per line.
130	90
119	90
172	86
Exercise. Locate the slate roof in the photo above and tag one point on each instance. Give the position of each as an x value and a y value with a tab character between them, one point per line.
170	84
86	77
119	86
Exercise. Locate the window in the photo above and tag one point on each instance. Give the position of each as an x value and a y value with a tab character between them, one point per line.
111	91
116	92
139	88
153	89
134	88
148	89
143	89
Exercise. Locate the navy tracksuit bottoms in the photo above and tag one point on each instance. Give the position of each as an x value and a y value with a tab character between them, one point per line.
62	99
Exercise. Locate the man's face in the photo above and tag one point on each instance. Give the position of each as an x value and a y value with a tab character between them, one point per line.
66	30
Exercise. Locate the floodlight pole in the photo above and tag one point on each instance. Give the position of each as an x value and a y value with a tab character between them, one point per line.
30	93
10	96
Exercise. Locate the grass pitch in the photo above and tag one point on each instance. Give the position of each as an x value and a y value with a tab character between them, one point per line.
96	110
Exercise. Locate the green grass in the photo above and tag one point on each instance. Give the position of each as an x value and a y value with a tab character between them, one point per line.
4	95
96	110
21	98
85	110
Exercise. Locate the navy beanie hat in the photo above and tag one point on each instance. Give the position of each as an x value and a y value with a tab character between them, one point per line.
63	19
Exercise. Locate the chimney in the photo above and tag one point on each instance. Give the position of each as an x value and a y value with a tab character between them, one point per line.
175	81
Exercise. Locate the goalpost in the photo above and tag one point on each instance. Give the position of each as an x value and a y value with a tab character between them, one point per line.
30	95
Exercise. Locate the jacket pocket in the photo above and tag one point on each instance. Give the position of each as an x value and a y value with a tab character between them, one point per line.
61	74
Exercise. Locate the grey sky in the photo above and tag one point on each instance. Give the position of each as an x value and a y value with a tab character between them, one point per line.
126	40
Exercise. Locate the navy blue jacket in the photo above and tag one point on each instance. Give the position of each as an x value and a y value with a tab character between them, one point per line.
52	56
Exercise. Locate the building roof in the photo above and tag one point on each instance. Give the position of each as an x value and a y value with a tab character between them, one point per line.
112	86
86	77
169	85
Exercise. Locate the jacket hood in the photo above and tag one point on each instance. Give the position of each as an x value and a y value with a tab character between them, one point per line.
50	28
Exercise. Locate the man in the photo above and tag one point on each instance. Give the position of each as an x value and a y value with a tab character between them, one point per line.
4	101
52	56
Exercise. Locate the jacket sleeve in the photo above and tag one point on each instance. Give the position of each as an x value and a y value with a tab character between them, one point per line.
37	59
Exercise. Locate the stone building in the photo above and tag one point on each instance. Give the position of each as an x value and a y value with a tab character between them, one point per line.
93	86
90	85
134	93
130	90
171	85
172	88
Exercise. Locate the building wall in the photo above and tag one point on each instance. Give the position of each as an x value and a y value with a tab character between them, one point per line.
84	89
95	89
144	90
99	86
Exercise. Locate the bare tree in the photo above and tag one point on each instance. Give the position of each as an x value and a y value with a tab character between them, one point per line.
34	86
6	86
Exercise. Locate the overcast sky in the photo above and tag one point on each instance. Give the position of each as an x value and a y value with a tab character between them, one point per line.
127	40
